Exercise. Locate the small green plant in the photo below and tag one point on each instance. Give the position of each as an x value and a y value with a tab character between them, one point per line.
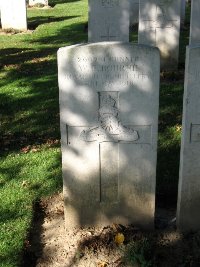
138	253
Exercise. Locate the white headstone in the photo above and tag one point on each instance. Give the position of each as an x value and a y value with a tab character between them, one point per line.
13	14
109	115
195	23
108	20
188	212
134	11
159	25
35	2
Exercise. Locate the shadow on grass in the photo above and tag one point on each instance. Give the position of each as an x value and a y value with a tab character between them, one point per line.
34	22
9	173
76	32
33	250
52	3
32	113
171	99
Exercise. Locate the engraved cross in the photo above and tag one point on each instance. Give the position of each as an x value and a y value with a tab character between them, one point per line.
161	20
109	133
108	35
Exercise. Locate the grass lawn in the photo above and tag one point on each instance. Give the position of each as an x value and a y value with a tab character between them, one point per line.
30	163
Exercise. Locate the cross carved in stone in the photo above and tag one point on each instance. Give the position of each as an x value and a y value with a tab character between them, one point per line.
108	36
109	133
161	20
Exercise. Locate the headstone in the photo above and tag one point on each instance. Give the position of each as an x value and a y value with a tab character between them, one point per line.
183	6
188	212
13	14
109	115
36	2
134	11
159	25
108	20
195	23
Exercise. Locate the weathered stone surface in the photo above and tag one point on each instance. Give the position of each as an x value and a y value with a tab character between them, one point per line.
159	25
13	14
109	117
35	2
188	215
195	23
134	11
108	20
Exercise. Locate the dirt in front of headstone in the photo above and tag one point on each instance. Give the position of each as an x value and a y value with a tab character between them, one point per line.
13	32
50	245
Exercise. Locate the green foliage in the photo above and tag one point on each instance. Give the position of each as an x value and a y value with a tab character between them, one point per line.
139	253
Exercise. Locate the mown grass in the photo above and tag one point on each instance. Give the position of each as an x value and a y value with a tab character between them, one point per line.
30	165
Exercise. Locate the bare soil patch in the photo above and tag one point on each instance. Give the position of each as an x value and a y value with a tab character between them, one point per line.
49	245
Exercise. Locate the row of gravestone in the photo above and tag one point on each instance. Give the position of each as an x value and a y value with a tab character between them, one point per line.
159	24
14	14
109	101
134	12
109	20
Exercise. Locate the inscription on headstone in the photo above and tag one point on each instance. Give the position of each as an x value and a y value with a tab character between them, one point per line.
109	132
159	25
188	215
108	20
13	14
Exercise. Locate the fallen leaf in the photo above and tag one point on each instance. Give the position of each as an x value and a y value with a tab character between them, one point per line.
25	183
178	128
26	149
119	239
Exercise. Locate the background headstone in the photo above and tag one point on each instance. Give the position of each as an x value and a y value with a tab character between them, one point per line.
195	23
159	25
188	212
183	6
35	2
108	20
109	115
134	11
13	14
